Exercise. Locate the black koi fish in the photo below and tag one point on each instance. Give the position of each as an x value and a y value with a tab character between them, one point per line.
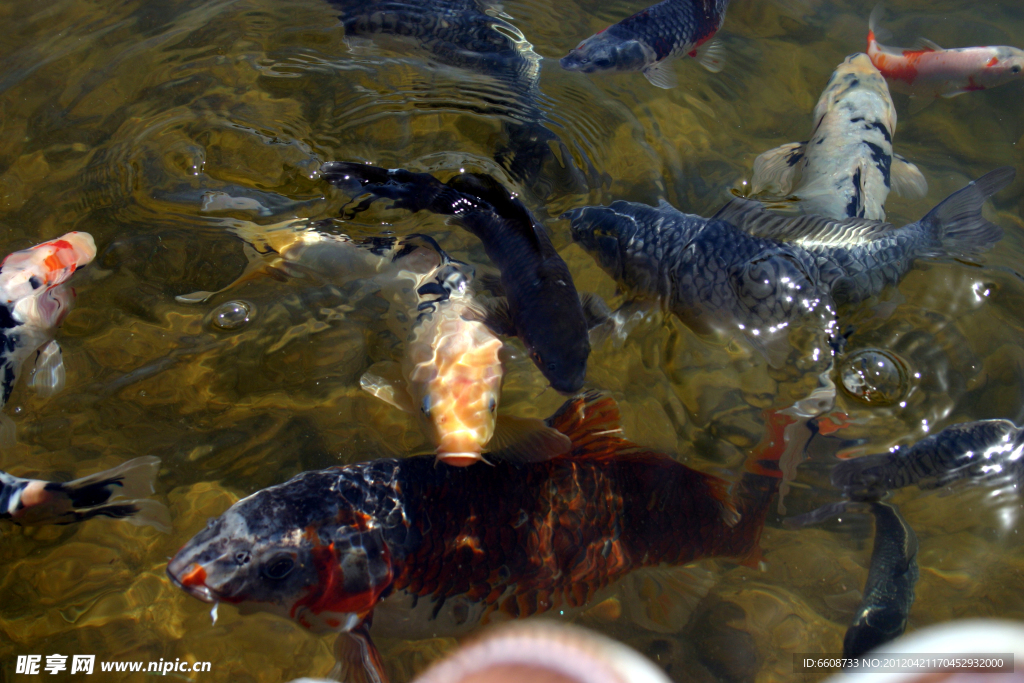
544	309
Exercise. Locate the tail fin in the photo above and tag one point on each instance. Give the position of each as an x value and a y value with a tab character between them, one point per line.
957	224
877	14
119	492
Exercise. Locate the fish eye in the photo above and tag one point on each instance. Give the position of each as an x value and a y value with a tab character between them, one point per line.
493	405
426	406
552	367
279	567
1015	69
242	557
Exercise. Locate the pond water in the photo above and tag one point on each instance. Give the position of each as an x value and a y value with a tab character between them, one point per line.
116	118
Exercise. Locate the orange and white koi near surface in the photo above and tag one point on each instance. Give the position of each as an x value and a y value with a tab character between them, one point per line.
928	71
34	299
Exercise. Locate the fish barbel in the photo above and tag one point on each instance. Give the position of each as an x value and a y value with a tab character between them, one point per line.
847	167
928	71
119	492
426	550
34	300
649	39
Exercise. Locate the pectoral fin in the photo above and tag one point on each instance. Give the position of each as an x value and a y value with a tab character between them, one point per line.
357	658
711	55
522	439
907	179
919	103
922	44
662	599
662	75
385	381
775	171
499	318
595	310
48	376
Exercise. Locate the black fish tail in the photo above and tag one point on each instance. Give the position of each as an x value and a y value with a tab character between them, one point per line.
957	225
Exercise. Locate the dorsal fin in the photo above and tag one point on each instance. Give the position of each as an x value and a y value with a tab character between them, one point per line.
809	231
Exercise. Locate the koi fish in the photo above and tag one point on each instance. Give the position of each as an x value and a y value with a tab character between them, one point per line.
927	71
426	550
647	40
753	271
974	451
892	575
34	301
847	167
450	373
119	493
542	306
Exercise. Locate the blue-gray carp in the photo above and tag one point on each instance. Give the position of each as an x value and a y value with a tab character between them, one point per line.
847	167
649	39
752	271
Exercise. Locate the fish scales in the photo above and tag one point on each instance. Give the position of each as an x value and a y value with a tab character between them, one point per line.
512	539
774	270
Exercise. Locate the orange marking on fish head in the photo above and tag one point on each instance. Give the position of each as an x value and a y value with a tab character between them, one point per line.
194	577
992	62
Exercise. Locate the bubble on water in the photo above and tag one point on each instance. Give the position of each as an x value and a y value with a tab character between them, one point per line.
875	377
232	315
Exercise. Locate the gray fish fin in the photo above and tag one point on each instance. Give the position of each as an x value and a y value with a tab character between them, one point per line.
907	179
48	376
661	75
499	318
491	280
917	104
816	516
256	267
957	223
357	659
662	599
877	14
7	431
136	475
526	439
384	380
923	43
595	310
776	170
711	55
126	487
754	219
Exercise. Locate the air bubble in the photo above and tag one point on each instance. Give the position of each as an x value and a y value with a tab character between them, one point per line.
875	377
232	315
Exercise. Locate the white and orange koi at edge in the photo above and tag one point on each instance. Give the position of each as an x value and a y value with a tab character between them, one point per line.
929	71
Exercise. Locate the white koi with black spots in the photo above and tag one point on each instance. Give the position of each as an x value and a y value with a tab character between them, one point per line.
847	167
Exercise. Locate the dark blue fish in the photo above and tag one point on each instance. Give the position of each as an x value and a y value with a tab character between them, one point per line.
979	450
751	270
647	40
543	307
470	35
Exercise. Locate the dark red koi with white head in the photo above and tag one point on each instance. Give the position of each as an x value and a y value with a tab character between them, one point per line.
440	550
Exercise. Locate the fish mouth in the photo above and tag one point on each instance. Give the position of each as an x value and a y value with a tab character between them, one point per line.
459	459
193	587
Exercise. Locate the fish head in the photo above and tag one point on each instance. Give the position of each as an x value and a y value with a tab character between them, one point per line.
299	550
36	269
604	235
560	353
857	77
606	52
460	399
1006	64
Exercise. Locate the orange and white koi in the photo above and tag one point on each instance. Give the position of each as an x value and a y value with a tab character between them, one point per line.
34	299
928	71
